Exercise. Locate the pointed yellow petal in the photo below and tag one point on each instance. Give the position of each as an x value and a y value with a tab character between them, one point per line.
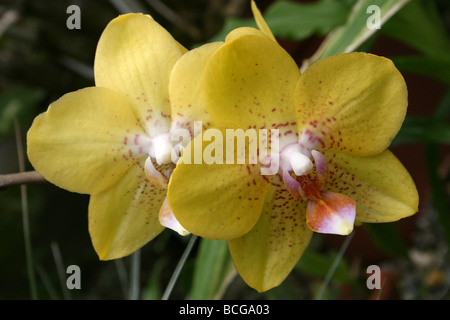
266	255
353	102
135	56
125	217
381	187
215	201
81	142
186	94
248	84
262	25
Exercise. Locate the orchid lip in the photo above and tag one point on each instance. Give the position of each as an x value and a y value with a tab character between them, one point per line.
161	148
294	159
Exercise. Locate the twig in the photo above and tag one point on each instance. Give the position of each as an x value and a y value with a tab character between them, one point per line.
14	179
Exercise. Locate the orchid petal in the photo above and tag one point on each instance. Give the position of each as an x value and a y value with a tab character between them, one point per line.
244	31
321	169
333	213
186	92
134	57
262	25
216	201
381	186
154	175
354	103
81	143
168	220
248	84
267	254
293	186
125	217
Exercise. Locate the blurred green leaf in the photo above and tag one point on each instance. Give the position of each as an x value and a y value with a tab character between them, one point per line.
153	289
439	195
423	130
17	103
432	67
296	21
419	25
387	238
212	266
434	129
318	264
355	31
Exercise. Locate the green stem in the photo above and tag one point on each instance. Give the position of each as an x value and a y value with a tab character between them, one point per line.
334	265
134	275
25	217
180	265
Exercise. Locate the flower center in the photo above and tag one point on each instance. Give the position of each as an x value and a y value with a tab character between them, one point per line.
161	148
327	212
294	159
309	178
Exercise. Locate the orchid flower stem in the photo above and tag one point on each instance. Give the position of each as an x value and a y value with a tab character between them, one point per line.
334	265
60	270
179	267
25	216
134	275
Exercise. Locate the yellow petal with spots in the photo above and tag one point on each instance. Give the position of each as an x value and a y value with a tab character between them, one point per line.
262	25
135	56
354	103
249	83
213	200
380	185
125	217
81	142
266	255
186	92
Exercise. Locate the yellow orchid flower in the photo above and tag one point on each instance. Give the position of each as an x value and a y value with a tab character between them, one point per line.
335	122
115	141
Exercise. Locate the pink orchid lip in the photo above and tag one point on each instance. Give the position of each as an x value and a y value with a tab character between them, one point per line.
293	186
327	212
321	168
333	213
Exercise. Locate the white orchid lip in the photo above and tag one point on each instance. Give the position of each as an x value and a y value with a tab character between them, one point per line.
294	159
168	219
161	148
